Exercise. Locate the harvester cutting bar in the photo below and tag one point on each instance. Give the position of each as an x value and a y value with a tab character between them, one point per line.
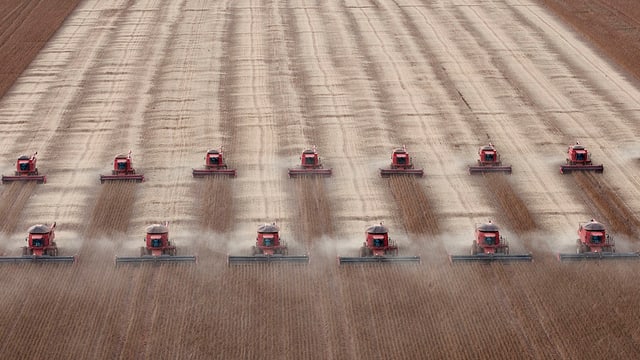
122	177
41	179
491	258
37	259
309	172
567	169
155	259
408	172
378	259
199	173
300	259
598	256
488	169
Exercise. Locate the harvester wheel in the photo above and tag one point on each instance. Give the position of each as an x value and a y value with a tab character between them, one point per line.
25	251
143	251
363	251
474	248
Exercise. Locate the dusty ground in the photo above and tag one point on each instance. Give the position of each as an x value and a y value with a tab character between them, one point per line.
169	79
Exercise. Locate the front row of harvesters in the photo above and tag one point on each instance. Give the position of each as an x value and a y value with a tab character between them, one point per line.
593	243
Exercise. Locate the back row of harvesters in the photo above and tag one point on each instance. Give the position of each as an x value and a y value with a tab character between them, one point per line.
488	244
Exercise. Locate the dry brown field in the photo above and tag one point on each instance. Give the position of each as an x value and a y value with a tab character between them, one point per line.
169	79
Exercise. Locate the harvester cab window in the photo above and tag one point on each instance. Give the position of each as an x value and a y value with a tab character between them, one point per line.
378	242
401	160
156	243
122	165
214	160
309	160
267	241
596	239
580	156
37	242
488	157
24	166
490	240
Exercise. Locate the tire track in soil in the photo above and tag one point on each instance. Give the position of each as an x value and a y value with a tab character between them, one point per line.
589	184
497	189
605	203
313	218
539	305
13	200
408	195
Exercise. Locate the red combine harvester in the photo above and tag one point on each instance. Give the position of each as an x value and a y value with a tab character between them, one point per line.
579	159
489	245
214	165
594	243
158	248
269	247
378	247
26	170
310	165
122	170
489	161
41	247
401	164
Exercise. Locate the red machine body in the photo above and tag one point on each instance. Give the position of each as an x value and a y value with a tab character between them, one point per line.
41	241
595	243
378	247
489	245
401	164
41	247
310	165
158	248
157	241
26	170
268	241
122	170
214	164
579	159
269	247
489	161
488	240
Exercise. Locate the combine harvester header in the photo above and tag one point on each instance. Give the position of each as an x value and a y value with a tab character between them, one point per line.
41	247
378	248
158	248
489	246
214	164
269	247
579	159
594	243
489	161
310	165
401	164
26	170
122	170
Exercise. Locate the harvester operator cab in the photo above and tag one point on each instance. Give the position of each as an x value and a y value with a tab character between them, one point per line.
267	240
489	157
596	239
490	240
401	159
378	241
37	242
156	242
24	166
214	159
121	165
309	160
